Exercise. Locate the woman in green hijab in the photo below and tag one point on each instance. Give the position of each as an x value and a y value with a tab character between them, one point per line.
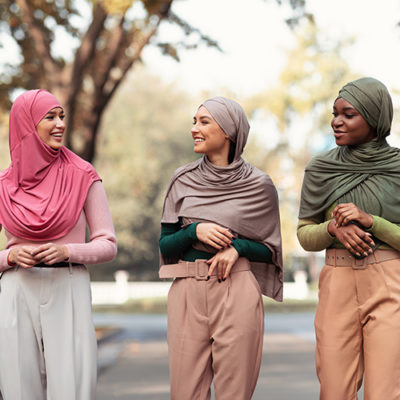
350	206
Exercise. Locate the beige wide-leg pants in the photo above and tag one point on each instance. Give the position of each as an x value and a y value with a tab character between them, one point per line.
48	346
215	331
357	327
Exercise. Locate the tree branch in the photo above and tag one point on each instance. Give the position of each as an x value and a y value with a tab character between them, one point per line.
42	45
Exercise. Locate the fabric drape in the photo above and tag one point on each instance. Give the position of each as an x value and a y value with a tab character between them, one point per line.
239	196
43	190
367	174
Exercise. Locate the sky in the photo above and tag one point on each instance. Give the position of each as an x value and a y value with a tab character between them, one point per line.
254	38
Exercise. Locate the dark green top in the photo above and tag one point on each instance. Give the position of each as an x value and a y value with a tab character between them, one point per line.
177	240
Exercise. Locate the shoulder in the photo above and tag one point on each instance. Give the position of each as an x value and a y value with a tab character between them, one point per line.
322	158
262	177
79	163
185	169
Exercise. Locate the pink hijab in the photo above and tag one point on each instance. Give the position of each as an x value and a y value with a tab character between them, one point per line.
43	191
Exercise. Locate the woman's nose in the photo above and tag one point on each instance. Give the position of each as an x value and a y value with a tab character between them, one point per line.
60	123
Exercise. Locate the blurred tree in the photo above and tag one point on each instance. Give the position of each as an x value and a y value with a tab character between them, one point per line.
109	35
106	49
144	137
299	111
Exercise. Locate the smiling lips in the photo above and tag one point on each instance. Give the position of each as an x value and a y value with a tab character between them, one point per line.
57	135
339	134
198	140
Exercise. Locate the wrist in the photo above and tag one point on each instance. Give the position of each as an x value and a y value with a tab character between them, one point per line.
332	228
10	260
369	221
66	253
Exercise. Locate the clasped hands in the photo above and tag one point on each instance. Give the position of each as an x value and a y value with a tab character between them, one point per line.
221	239
355	239
28	256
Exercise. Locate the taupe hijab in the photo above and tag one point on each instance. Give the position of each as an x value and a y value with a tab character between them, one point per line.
368	174
239	196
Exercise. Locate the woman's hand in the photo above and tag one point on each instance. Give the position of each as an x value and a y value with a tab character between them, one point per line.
346	212
50	253
22	256
356	240
214	235
223	261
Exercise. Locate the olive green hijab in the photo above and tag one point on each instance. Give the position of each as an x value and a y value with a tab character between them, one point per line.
367	174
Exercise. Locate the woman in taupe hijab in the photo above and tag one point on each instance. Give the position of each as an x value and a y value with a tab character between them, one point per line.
350	206
221	242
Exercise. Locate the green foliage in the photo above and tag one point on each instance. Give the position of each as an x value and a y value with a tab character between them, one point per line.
144	138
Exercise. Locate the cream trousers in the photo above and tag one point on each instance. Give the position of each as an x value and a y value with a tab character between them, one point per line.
48	345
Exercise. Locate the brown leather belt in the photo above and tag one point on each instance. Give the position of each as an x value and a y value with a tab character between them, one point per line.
343	258
197	269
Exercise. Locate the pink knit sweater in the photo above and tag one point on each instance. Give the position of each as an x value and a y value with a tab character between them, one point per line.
102	245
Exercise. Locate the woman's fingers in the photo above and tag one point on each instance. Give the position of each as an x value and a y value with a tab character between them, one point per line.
347	212
50	253
223	262
214	235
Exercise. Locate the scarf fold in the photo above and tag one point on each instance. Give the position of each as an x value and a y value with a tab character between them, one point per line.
239	197
368	174
43	191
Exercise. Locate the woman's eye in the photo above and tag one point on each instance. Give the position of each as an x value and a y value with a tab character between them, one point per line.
349	116
62	117
334	114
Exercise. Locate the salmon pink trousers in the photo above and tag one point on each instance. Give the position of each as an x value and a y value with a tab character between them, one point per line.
357	326
215	332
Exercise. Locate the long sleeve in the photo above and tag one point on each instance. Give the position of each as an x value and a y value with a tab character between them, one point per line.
174	240
3	258
102	245
386	231
313	235
253	251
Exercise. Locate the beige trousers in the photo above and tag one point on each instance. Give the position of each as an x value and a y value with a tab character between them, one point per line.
47	340
357	327
215	331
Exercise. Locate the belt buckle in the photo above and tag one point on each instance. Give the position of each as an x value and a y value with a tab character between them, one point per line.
360	263
201	270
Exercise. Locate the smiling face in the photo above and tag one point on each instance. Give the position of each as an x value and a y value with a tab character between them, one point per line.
51	128
209	138
349	127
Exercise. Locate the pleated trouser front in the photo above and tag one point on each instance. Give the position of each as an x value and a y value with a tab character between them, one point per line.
358	331
48	346
215	331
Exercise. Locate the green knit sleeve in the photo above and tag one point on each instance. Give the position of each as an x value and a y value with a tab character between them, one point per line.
174	240
253	251
314	235
386	231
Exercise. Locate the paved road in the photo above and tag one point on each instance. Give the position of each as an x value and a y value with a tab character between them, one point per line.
134	365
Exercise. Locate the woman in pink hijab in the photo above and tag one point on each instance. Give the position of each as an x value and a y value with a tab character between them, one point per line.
48	195
221	241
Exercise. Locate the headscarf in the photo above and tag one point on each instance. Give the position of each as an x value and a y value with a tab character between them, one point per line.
43	191
239	196
372	100
367	174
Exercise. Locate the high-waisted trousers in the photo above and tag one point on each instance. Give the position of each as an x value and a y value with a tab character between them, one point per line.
48	346
215	331
357	328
